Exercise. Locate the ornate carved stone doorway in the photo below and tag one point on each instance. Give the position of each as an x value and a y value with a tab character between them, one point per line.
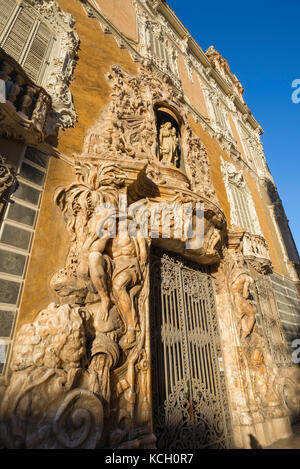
190	406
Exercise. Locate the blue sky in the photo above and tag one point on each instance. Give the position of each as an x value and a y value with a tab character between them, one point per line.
261	41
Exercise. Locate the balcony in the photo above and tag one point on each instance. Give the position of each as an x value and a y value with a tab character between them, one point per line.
26	113
256	251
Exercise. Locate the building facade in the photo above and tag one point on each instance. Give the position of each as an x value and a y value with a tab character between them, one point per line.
110	112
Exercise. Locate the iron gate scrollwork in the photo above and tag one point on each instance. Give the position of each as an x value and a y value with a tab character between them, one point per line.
190	406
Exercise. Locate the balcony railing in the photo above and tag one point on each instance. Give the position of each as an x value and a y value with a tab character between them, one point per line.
25	108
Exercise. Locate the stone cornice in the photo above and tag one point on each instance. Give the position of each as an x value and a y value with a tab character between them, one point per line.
198	52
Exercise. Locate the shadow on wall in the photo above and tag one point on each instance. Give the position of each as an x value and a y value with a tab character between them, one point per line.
254	443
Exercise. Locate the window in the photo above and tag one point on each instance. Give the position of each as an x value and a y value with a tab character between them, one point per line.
270	322
16	236
288	304
219	115
244	216
242	208
161	52
25	38
252	154
158	46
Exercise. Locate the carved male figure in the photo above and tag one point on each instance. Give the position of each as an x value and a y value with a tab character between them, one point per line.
246	310
114	265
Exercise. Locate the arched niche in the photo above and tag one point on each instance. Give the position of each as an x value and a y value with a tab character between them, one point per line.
165	115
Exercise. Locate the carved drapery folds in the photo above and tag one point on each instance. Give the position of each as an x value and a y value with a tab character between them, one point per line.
168	144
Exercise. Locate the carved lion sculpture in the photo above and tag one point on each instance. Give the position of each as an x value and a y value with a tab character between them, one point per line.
41	407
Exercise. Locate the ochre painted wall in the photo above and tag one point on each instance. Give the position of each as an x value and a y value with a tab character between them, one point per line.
214	152
91	92
192	89
266	224
122	14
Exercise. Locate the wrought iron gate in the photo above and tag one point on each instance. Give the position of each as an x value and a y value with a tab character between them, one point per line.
190	406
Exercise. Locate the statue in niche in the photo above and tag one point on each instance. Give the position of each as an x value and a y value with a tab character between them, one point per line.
168	144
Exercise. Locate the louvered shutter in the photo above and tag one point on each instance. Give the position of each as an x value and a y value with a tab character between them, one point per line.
19	34
37	53
6	9
242	209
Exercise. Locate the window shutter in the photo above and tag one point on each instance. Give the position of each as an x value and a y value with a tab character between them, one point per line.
6	9
243	211
37	52
19	34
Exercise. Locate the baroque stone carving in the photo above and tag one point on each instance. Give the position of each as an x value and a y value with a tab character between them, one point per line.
42	398
198	166
73	365
127	128
168	144
261	381
256	252
6	176
221	65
